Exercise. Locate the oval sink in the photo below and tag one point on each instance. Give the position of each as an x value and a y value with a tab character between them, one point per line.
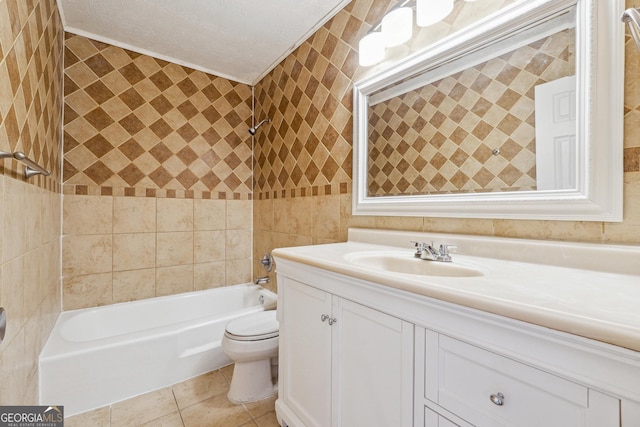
406	264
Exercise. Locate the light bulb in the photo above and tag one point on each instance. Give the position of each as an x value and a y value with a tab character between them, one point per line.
397	26
429	12
371	49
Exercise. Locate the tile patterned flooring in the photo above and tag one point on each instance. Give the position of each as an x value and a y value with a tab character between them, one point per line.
198	402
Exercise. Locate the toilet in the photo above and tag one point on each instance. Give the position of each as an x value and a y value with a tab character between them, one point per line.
251	341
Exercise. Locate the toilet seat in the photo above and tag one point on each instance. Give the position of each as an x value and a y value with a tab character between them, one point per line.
253	327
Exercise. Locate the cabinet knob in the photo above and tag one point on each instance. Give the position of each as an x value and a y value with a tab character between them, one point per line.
332	321
497	399
324	317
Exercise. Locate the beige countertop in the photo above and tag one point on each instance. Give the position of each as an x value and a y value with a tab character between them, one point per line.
594	301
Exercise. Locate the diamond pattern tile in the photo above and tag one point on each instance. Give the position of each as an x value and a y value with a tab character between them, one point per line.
31	39
145	124
440	138
307	149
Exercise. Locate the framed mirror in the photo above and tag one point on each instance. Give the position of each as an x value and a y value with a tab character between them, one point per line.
517	116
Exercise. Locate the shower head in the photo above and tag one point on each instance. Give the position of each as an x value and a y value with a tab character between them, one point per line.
252	130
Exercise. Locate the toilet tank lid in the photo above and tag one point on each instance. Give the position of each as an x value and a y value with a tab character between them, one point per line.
260	323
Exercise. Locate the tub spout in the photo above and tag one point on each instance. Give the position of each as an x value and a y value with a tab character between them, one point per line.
262	280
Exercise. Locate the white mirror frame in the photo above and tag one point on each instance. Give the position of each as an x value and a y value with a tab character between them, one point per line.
600	92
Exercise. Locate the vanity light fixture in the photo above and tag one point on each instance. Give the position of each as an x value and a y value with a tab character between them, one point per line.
396	27
429	12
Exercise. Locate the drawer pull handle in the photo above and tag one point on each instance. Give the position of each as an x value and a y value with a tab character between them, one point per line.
497	399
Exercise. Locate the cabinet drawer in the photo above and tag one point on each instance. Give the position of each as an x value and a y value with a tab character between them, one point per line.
487	389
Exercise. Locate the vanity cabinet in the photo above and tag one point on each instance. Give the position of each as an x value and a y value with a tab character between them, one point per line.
355	353
343	364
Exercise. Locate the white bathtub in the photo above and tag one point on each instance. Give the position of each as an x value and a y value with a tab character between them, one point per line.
95	357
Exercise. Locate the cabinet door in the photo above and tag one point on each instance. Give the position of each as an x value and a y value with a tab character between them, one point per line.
372	365
305	352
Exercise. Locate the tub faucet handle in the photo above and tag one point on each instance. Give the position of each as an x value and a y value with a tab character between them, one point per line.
267	262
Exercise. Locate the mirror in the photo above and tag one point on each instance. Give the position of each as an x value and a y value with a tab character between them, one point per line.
518	115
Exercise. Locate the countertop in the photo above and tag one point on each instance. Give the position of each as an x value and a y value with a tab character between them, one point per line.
596	304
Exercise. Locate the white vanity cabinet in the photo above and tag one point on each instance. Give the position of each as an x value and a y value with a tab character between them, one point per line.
356	353
342	363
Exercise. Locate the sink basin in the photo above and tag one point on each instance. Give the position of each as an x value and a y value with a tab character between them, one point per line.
407	264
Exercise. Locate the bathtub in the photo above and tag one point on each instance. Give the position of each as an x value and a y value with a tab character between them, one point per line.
97	356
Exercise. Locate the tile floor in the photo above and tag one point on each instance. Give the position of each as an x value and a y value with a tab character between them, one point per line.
198	402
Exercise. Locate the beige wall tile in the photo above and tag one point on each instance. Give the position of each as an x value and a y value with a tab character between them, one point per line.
239	214
174	249
12	296
34	289
174	280
238	244
326	222
87	215
14	370
294	215
629	230
134	285
209	275
209	246
284	240
263	214
399	223
14	234
281	216
134	215
238	271
134	251
86	254
90	290
175	214
3	203
209	214
34	199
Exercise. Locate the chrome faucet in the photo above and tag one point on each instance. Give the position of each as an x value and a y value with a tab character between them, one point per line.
428	252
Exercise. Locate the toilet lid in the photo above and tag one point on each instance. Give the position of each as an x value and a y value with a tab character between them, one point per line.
255	326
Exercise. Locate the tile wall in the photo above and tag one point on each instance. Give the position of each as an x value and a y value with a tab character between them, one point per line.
118	249
157	177
31	39
302	178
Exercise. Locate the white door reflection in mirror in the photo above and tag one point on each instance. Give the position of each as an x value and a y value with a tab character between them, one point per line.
556	134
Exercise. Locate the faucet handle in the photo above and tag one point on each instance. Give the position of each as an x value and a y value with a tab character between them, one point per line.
419	248
444	252
444	248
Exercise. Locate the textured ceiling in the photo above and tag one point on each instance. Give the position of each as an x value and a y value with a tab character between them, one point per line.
241	40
